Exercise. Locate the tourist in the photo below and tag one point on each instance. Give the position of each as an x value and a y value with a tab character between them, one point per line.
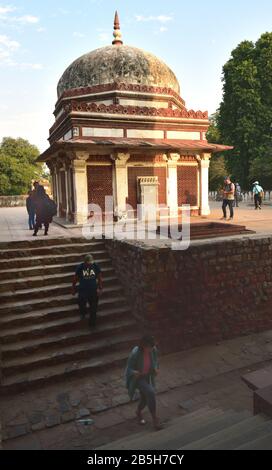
228	198
89	277
44	208
142	367
30	210
237	194
36	184
258	195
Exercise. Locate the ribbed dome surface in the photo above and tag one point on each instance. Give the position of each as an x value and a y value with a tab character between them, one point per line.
122	64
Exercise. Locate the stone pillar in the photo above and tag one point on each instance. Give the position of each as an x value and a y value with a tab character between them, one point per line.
204	164
67	192
57	190
172	183
121	182
80	187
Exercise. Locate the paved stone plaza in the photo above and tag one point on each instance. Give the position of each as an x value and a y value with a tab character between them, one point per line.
13	222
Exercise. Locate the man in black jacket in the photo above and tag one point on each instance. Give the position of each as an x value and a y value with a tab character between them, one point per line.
89	277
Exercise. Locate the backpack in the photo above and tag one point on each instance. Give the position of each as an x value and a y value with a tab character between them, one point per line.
51	207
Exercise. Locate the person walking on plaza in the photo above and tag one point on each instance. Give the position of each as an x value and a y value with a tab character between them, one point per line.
89	277
258	195
30	210
142	368
45	208
228	198
237	194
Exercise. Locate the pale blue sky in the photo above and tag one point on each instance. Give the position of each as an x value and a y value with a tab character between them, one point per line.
39	39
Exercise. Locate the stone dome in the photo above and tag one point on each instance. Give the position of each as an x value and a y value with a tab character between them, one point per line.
123	64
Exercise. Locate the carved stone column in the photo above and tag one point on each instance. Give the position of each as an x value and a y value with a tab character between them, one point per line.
67	188
204	164
80	187
121	182
172	183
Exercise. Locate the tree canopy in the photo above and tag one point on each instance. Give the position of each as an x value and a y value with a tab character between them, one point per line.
18	166
245	115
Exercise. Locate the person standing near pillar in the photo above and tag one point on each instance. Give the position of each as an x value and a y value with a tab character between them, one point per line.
89	277
228	198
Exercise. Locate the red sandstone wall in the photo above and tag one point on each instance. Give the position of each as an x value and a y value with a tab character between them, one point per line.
134	172
215	291
99	184
187	185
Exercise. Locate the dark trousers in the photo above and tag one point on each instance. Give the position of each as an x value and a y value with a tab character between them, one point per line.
31	220
90	298
236	201
147	395
258	200
226	203
38	226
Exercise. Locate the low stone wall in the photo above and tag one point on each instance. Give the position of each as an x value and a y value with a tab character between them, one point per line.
12	201
215	290
246	196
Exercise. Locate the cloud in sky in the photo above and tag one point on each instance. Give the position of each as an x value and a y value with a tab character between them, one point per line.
26	19
104	37
8	48
6	9
8	43
23	20
77	34
159	18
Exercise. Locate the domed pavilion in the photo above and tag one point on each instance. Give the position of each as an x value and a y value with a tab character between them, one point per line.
122	130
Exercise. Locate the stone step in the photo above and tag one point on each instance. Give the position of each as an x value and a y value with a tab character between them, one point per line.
176	436
40	242
181	424
230	443
237	432
52	250
46	322
63	371
35	261
19	285
46	291
46	270
262	443
74	336
67	354
16	310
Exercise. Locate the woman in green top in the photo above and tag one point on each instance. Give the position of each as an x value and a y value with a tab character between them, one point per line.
142	367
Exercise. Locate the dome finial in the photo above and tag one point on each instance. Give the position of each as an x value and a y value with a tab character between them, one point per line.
117	33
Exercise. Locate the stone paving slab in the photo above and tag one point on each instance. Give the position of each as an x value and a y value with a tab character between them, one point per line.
14	222
260	379
192	378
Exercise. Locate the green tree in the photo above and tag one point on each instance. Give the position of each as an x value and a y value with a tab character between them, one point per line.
245	114
239	111
18	166
213	135
218	168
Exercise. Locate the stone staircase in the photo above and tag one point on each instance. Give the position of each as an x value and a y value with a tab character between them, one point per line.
42	338
204	429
